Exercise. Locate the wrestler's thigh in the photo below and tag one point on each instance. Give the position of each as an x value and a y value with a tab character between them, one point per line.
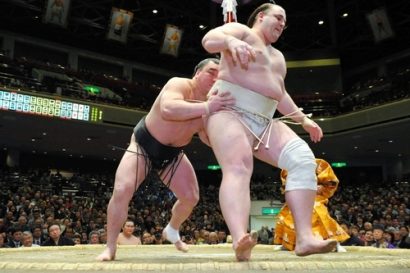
131	170
184	180
280	135
229	139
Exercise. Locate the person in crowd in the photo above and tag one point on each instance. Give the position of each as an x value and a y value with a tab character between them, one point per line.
55	237
28	240
323	225
77	239
16	236
94	237
354	240
38	237
368	238
3	243
253	71
379	238
127	237
404	237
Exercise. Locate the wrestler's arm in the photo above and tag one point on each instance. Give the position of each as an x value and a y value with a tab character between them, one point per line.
287	105
173	104
217	39
229	37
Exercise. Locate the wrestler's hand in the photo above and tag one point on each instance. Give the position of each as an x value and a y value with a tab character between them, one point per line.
240	50
220	100
313	129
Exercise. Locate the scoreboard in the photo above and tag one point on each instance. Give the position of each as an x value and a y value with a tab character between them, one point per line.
49	107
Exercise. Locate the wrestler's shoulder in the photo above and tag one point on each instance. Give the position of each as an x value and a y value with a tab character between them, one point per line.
178	80
236	25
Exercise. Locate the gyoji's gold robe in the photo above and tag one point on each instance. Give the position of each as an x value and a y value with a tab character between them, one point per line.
323	225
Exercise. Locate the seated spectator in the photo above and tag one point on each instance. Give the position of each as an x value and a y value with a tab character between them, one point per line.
103	236
158	240
28	240
405	237
126	237
368	238
15	238
147	238
3	243
353	240
379	239
94	237
77	239
221	236
55	238
213	238
188	239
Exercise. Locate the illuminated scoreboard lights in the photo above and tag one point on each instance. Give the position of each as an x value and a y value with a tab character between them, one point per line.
12	101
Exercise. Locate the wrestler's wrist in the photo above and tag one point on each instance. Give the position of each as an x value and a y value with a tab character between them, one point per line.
228	39
207	110
304	120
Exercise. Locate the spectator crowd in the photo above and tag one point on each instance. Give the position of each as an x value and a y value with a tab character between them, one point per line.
46	208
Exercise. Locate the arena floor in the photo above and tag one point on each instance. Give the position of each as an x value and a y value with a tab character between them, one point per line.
202	258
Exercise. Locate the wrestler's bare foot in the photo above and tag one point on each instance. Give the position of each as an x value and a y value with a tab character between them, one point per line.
181	246
314	247
107	255
244	246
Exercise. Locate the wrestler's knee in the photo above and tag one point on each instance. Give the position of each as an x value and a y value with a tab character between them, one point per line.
241	167
298	159
123	189
190	198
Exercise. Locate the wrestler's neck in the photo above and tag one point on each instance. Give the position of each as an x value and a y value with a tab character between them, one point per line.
127	235
261	35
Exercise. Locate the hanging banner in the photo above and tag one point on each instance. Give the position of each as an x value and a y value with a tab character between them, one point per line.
380	24
57	12
172	40
119	24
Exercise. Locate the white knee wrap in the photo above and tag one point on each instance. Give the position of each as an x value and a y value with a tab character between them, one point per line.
298	159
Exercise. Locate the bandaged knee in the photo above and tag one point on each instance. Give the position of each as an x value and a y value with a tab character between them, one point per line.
172	234
298	160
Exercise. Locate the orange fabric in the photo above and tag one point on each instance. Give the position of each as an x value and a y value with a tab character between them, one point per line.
323	225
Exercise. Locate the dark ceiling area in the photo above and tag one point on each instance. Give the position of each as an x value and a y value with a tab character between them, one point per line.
351	37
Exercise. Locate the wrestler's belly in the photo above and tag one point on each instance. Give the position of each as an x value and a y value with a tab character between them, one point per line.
262	83
175	134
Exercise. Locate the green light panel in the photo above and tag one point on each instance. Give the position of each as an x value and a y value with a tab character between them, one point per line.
28	104
270	211
338	164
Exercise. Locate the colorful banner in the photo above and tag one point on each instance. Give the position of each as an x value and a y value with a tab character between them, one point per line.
119	24
57	12
380	24
172	40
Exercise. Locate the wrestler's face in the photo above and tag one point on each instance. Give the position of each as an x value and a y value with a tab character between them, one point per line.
273	22
207	76
128	228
